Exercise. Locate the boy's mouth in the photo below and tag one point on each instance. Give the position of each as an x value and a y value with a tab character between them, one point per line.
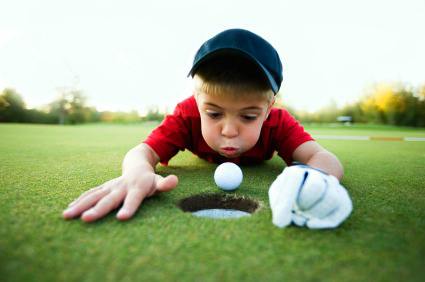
229	151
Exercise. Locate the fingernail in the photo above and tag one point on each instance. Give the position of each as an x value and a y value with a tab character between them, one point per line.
67	212
122	213
89	213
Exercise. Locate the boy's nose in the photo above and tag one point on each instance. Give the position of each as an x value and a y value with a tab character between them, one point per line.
229	130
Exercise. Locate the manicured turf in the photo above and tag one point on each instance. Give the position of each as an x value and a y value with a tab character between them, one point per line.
44	167
364	130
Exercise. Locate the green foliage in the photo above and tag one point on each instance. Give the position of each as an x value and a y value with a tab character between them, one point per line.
119	117
12	106
36	116
3	102
70	107
392	104
153	115
328	114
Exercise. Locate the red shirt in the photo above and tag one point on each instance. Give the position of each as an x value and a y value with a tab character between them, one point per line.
182	130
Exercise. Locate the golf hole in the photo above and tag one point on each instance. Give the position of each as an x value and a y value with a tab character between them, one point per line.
218	206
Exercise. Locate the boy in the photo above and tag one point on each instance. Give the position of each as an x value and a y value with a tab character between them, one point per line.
230	117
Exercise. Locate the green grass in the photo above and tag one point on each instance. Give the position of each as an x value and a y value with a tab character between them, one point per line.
44	167
365	130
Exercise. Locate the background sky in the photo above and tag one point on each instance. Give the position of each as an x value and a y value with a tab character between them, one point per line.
131	55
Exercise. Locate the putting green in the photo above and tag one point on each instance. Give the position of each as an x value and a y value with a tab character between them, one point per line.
44	167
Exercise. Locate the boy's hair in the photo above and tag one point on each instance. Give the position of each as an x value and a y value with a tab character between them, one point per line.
232	74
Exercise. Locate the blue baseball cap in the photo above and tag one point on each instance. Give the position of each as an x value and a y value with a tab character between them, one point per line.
247	44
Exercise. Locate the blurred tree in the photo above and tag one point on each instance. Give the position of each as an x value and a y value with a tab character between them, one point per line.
39	116
421	105
60	108
12	106
421	92
3	102
153	114
78	111
120	117
327	114
395	104
70	107
387	103
353	110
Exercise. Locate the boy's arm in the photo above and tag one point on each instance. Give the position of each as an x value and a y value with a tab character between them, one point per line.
314	155
139	158
137	182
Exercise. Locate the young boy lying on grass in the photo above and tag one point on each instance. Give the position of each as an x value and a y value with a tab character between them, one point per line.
230	117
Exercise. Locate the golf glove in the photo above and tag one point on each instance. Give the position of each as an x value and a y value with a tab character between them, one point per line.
308	197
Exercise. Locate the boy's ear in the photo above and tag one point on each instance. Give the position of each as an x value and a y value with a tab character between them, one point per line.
195	95
272	102
269	108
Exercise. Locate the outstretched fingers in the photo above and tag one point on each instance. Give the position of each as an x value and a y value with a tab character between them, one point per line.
103	187
88	192
101	200
136	195
165	184
131	203
85	203
104	206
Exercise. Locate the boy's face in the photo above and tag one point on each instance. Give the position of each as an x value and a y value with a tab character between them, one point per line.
231	126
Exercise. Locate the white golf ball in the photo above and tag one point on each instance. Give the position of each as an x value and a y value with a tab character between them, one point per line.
228	176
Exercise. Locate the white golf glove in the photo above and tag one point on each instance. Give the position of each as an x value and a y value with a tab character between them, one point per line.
308	197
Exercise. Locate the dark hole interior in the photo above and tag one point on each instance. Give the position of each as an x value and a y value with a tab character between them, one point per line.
217	201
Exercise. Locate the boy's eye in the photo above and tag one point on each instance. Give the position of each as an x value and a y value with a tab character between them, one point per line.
249	117
213	115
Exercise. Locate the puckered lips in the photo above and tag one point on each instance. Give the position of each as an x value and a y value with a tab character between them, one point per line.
229	151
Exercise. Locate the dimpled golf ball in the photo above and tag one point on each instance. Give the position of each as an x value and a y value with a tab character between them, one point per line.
228	176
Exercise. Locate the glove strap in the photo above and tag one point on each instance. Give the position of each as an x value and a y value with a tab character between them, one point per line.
295	163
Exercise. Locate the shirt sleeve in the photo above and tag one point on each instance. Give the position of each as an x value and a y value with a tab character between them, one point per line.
289	135
170	136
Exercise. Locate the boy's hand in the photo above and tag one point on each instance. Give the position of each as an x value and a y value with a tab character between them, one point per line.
130	189
308	197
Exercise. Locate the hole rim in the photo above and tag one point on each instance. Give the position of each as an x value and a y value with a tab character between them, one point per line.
205	201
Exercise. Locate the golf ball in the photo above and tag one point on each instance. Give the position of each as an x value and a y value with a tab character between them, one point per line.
228	176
